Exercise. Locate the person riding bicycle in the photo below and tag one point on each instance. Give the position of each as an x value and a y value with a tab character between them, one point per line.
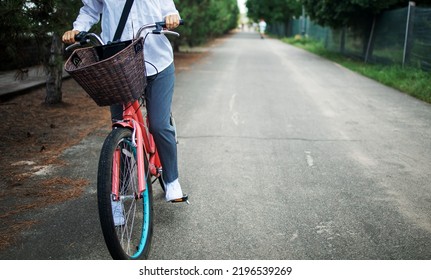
160	72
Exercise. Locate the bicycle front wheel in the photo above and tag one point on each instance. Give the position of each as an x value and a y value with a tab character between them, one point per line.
126	220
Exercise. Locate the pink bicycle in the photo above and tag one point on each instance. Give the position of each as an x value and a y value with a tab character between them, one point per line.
128	166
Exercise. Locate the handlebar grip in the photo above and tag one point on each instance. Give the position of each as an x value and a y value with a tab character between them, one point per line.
163	23
80	36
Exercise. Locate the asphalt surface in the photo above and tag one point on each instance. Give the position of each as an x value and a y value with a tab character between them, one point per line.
285	155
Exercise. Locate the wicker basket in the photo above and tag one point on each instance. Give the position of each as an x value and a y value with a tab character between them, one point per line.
119	79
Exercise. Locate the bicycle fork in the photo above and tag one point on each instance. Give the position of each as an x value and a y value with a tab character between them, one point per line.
140	163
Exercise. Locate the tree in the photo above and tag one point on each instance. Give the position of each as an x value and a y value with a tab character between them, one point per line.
350	13
50	18
30	35
273	11
206	19
15	27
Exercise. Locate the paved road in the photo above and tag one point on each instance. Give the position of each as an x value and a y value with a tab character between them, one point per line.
285	155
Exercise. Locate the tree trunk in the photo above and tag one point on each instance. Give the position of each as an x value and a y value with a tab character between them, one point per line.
55	72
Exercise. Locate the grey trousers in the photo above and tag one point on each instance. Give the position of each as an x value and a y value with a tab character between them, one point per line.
158	97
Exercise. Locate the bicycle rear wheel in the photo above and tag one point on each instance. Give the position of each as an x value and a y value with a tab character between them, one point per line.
129	236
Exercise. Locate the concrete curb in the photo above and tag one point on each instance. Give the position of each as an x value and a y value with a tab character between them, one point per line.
12	82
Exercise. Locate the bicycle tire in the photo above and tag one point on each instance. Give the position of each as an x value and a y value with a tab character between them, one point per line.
132	240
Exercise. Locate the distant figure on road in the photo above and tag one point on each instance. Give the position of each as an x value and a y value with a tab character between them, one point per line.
262	27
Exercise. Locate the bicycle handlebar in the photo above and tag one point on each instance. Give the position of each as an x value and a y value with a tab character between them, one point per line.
83	37
159	28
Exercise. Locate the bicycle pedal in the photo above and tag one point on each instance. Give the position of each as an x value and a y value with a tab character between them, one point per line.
185	199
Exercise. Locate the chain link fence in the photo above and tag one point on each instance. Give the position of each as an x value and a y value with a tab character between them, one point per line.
401	37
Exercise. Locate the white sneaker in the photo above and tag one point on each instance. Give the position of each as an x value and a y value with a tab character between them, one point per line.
173	191
117	213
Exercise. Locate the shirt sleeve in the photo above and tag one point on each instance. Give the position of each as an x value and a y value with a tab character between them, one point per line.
89	15
168	8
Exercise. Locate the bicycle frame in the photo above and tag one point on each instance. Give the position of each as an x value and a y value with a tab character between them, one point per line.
145	146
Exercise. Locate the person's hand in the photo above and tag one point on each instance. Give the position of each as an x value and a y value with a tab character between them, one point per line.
172	21
69	36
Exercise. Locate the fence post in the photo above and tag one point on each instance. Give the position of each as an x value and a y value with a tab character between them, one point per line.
370	41
343	41
303	21
409	31
327	31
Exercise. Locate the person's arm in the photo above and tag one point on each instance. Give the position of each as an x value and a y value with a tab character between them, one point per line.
170	13
89	15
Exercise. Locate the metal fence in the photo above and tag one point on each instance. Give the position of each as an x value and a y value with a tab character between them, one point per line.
401	37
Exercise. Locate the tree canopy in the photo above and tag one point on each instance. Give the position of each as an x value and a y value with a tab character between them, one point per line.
206	19
350	13
273	10
332	13
27	27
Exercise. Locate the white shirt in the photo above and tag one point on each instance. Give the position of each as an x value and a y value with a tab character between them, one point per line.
262	26
157	49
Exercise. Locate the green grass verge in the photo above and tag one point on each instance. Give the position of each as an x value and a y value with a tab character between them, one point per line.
412	81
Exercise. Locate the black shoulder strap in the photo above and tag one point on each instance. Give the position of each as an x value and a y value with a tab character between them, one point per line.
123	19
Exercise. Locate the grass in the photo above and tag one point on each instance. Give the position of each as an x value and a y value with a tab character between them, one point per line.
412	81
